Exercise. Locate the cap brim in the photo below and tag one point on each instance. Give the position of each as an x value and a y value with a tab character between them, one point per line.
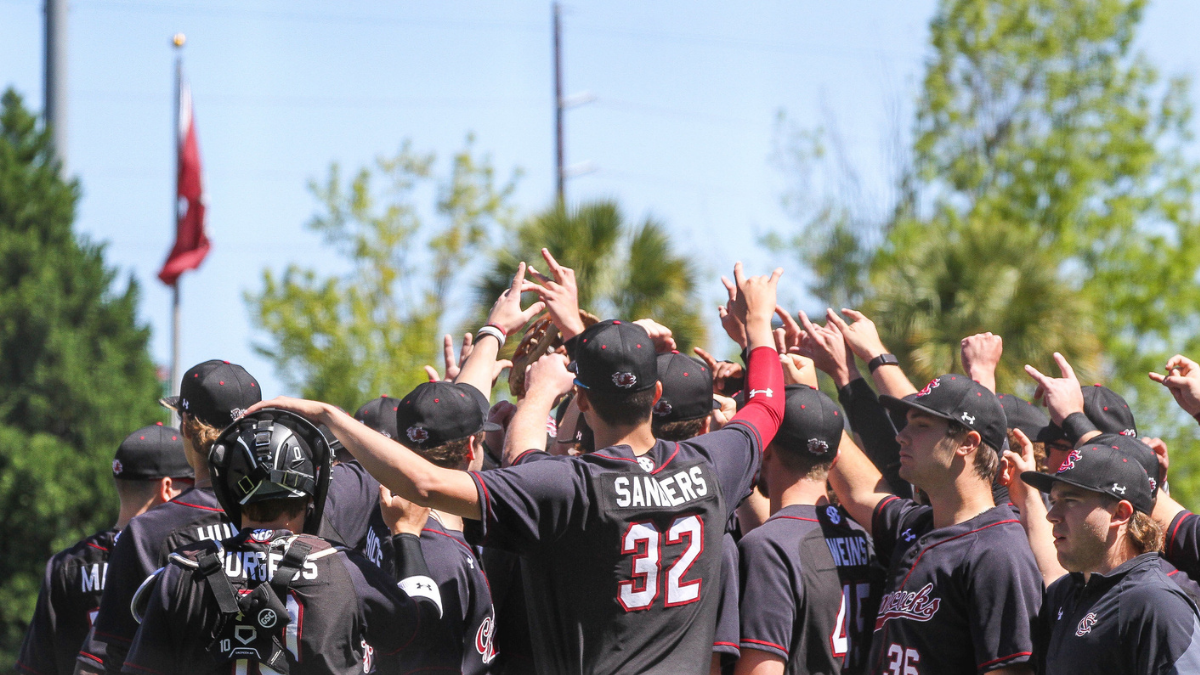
902	406
171	402
1042	482
492	426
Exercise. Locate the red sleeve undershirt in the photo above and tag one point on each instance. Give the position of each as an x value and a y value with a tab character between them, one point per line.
764	394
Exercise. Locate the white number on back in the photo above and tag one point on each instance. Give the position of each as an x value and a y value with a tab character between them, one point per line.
642	540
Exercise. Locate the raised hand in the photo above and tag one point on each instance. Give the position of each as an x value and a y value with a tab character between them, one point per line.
1183	381
727	376
561	295
980	357
549	375
755	304
798	369
401	515
827	349
660	335
862	336
507	314
1061	395
734	328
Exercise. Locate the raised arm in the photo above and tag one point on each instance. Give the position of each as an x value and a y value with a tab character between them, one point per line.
546	380
863	338
1064	401
506	318
858	484
1033	510
980	356
753	307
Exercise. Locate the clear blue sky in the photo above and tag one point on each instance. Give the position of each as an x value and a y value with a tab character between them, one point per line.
682	127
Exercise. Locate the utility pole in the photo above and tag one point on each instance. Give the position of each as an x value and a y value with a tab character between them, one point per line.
559	173
55	94
178	41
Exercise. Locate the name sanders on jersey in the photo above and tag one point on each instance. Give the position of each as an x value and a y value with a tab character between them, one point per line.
673	490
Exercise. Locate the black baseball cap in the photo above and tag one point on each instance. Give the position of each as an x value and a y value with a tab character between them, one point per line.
812	422
1103	468
380	414
215	392
151	453
436	413
1104	408
1023	415
1139	451
686	389
960	399
615	357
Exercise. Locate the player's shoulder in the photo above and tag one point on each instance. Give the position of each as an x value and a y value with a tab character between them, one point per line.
191	506
93	548
997	527
1146	584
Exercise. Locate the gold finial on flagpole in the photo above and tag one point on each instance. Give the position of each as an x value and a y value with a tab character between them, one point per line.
179	39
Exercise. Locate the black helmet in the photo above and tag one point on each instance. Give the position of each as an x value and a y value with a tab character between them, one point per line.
271	454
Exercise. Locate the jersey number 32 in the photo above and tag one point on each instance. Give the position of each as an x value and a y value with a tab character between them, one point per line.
644	542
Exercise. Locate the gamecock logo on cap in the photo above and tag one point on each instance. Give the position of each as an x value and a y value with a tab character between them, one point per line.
417	435
1075	456
117	467
1129	432
817	446
236	413
662	408
624	380
933	384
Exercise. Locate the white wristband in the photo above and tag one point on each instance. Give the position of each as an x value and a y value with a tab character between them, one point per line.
493	331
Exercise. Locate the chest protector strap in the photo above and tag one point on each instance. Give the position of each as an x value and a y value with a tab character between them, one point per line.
252	623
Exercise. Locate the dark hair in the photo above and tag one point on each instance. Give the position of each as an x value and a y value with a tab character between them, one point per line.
270	509
134	490
624	410
679	430
447	455
987	458
800	461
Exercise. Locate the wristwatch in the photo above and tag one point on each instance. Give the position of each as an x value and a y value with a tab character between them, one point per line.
883	360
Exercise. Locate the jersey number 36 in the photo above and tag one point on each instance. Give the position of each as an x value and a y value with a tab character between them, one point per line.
644	542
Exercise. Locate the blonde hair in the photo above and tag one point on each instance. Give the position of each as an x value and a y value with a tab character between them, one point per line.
201	434
1145	535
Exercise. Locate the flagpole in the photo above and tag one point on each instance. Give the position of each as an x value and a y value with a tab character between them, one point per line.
176	373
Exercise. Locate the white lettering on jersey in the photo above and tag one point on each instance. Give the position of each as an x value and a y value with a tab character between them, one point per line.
674	490
216	532
258	566
485	637
917	606
848	551
374	550
93	576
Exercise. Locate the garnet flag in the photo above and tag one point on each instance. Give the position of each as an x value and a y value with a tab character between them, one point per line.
191	242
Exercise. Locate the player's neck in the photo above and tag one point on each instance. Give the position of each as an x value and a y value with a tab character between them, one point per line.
803	492
448	520
131	511
639	438
293	524
955	503
1117	554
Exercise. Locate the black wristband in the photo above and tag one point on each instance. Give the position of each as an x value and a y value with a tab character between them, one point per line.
883	360
410	561
1076	425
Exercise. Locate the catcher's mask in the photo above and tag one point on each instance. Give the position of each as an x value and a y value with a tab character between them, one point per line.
271	454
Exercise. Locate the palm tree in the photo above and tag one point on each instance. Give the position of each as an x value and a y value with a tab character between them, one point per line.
622	271
936	283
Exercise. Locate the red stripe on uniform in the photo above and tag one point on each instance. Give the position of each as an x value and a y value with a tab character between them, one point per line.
1174	530
1004	658
768	644
664	464
97	547
197	506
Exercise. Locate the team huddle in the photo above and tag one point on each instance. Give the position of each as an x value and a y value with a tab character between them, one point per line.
637	510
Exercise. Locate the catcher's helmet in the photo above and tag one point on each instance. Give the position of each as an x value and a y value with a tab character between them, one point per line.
271	454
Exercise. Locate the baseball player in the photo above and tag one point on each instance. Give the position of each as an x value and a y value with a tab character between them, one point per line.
962	587
1116	612
149	469
614	540
810	584
213	394
272	600
443	423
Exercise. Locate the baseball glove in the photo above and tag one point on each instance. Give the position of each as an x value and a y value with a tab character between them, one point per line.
542	337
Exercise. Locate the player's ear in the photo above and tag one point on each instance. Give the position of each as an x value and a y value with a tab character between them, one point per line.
657	391
581	400
707	425
474	446
165	489
1122	513
970	443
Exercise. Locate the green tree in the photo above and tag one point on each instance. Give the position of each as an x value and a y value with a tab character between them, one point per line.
1038	118
74	362
346	339
622	271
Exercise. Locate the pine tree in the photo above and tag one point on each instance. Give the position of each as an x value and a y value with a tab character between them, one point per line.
75	373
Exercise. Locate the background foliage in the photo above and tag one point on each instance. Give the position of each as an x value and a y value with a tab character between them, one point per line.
76	374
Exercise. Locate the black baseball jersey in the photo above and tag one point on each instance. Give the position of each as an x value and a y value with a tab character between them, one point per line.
1131	621
1182	545
338	603
725	640
66	606
810	589
463	640
513	643
195	516
958	599
619	577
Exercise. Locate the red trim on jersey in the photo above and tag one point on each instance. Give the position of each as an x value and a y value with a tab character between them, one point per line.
768	644
93	657
1004	658
137	667
22	666
807	520
634	575
957	536
699	582
523	455
487	497
1175	530
451	538
725	644
100	548
196	506
664	464
1172	573
623	459
878	508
